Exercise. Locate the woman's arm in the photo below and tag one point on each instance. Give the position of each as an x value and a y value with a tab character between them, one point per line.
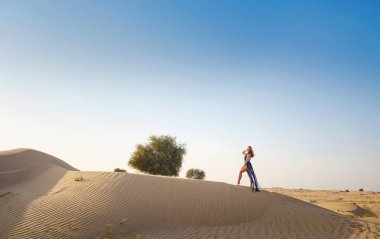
243	151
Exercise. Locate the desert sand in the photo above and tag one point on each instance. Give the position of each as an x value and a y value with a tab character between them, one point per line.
355	204
40	198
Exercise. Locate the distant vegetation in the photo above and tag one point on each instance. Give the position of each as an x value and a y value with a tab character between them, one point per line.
108	234
162	155
134	236
195	173
80	178
361	190
119	170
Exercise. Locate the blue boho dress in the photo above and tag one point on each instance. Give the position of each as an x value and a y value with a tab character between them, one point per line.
252	175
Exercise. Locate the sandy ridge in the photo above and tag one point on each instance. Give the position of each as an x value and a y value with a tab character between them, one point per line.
51	204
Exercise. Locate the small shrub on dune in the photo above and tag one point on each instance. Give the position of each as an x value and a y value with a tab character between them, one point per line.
134	236
162	155
361	190
108	231
119	170
80	178
126	236
195	173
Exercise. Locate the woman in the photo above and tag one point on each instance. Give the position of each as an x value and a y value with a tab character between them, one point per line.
247	167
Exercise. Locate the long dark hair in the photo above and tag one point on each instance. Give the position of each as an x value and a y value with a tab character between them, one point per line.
250	151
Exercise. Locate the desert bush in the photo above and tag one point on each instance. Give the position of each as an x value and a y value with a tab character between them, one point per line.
134	236
108	231
195	173
119	170
361	190
162	155
80	178
347	190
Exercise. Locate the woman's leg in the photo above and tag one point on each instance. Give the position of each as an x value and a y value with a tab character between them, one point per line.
242	170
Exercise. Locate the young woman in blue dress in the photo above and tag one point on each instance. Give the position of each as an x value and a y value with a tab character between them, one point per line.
248	155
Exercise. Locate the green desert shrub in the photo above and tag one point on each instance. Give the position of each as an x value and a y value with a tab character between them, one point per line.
80	178
162	155
195	173
119	170
134	236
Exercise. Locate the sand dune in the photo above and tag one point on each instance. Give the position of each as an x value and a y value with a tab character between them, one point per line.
49	203
24	164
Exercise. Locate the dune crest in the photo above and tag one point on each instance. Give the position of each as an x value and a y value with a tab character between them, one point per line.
23	164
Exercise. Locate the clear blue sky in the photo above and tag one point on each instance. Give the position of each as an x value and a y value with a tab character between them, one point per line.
300	80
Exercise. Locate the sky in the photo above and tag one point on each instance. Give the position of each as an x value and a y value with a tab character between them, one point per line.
86	81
